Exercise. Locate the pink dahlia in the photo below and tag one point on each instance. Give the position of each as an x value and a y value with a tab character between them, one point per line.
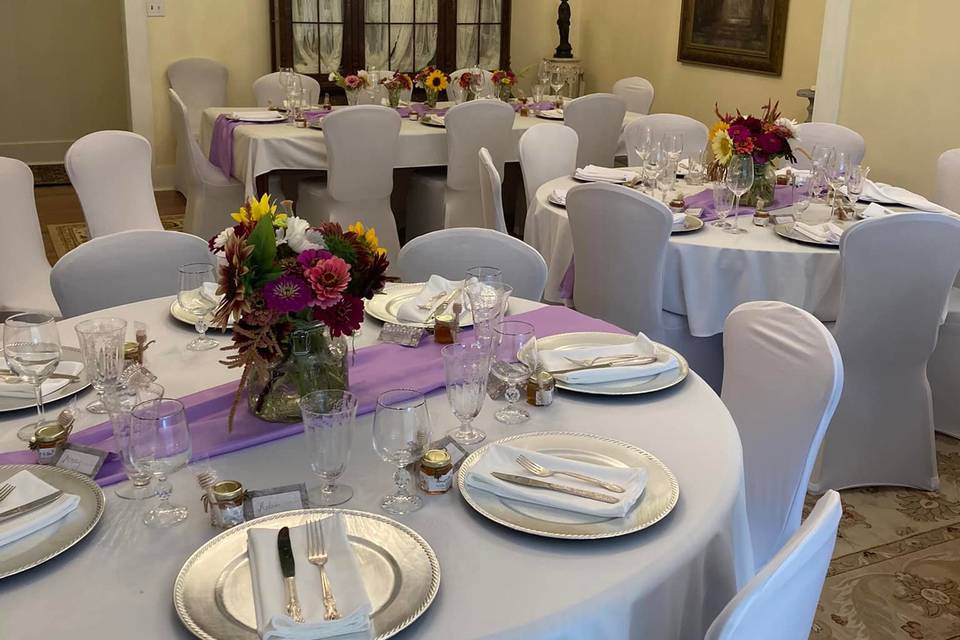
328	278
353	81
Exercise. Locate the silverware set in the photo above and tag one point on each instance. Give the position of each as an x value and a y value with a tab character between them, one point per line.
26	508
606	362
10	377
317	556
5	490
539	470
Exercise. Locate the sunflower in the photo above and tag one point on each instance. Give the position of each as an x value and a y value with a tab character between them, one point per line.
722	146
436	81
717	128
368	237
254	209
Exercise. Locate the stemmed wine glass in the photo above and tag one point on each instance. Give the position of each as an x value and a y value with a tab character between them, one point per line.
672	144
643	145
652	166
722	204
739	180
855	180
328	419
286	82
836	173
160	446
515	360
101	345
466	368
120	401
198	298
804	188
401	432
556	83
488	303
31	347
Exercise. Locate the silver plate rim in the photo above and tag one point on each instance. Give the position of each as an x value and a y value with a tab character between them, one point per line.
398	288
178	585
697	225
67	391
471	460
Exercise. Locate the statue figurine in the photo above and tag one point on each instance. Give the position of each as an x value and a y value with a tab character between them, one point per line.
564	49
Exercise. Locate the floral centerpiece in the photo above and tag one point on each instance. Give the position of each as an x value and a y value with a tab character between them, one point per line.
764	139
351	84
395	86
293	292
504	81
433	82
468	82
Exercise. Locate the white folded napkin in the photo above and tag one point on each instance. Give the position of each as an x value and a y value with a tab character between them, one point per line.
559	196
432	294
51	385
553	114
826	232
255	115
874	210
269	597
29	488
885	193
679	219
593	173
503	459
556	360
435	119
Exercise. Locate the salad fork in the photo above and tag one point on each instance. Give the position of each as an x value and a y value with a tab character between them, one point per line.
317	555
5	490
543	472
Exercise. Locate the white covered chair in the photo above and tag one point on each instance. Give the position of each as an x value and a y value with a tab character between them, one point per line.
620	246
491	194
896	274
111	173
694	132
123	267
267	90
442	199
450	252
819	134
200	83
781	600
947	186
636	92
598	121
547	151
211	194
781	382
362	144
25	283
455	93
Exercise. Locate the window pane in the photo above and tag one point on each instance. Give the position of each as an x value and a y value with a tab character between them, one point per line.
401	11
305	48
467	46
426	46
489	10
376	49
304	10
331	47
401	55
331	10
467	11
426	11
490	46
376	10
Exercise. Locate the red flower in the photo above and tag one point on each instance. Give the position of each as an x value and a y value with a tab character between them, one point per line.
343	318
328	278
770	143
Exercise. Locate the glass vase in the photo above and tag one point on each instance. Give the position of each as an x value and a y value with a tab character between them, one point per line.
353	96
312	360
505	92
432	96
393	97
469	95
764	182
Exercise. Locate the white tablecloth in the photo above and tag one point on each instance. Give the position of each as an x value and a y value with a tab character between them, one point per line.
664	583
260	149
709	272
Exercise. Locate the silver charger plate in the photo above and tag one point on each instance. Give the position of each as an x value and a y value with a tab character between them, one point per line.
186	317
280	117
51	541
691	223
658	499
385	306
546	115
428	120
213	594
786	230
636	386
68	354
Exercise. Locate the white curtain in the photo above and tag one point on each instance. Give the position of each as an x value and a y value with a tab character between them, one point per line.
317	47
478	44
400	44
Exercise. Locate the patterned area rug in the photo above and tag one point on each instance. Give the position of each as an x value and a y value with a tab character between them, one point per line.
72	234
46	175
896	569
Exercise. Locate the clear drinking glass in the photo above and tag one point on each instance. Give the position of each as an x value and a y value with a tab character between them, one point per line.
643	145
722	204
401	433
672	144
484	275
855	179
286	80
696	166
515	360
652	166
488	303
466	368
31	348
328	423
804	186
120	401
556	84
821	156
836	173
160	446
739	180
198	298
101	346
667	179
539	94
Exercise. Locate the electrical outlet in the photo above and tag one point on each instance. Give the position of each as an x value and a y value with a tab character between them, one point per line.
155	9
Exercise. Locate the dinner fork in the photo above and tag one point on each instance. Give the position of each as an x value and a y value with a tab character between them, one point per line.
5	490
627	357
317	555
543	472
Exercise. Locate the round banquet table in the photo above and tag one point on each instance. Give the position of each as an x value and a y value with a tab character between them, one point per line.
666	582
709	272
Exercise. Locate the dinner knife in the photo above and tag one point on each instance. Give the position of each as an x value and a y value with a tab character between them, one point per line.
553	486
288	567
638	362
33	505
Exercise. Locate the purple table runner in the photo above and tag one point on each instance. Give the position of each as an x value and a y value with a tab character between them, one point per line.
221	142
782	197
375	369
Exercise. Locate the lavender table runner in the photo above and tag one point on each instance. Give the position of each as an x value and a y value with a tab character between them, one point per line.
221	142
782	197
376	369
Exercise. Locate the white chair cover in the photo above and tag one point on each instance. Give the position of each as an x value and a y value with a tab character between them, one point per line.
947	188
450	252
362	144
123	267
896	274
813	134
200	83
636	92
598	121
781	382
781	601
694	132
547	151
267	90
111	172
25	283
455	93
620	246
211	194
491	194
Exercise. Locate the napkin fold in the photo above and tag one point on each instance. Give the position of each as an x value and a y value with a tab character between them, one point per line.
435	119
269	597
559	197
552	114
679	218
556	360
255	115
432	294
825	232
51	385
503	458
887	194
593	173
874	210
29	488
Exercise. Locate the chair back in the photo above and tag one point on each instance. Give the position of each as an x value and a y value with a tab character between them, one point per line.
781	600
268	91
620	247
362	145
455	93
598	121
782	377
814	134
450	252
694	133
948	180
636	92
491	194
547	151
123	267
200	83
111	173
470	126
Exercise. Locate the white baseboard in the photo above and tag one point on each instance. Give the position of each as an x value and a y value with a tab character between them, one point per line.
36	152
163	177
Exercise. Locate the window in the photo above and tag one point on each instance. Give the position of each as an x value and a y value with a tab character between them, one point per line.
317	35
400	34
478	33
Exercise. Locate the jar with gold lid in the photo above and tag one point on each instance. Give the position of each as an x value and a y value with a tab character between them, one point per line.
436	472
225	499
48	441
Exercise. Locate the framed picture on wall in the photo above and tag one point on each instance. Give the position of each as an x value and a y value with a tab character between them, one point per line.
738	34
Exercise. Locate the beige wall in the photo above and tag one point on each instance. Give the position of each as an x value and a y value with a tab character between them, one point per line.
534	34
65	61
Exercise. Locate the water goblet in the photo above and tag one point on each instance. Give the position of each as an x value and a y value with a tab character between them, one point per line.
488	303
804	187
557	83
328	422
739	179
120	401
484	275
722	204
31	348
672	144
514	361
198	298
160	446
466	368
652	167
855	179
401	432
643	145
539	93
696	167
101	346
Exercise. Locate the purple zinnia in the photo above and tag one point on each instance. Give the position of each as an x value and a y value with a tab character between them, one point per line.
310	257
287	294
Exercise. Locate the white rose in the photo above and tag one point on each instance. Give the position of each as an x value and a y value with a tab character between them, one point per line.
789	124
301	237
362	73
222	238
332	77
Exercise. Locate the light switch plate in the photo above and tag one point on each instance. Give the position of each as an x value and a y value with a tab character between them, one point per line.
155	8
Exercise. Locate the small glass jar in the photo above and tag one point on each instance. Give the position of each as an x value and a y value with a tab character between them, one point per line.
540	388
760	216
131	354
225	498
445	328
48	441
436	472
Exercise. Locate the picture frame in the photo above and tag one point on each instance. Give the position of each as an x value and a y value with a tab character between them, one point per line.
748	35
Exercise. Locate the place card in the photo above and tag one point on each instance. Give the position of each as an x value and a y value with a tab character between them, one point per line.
264	502
85	460
403	335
